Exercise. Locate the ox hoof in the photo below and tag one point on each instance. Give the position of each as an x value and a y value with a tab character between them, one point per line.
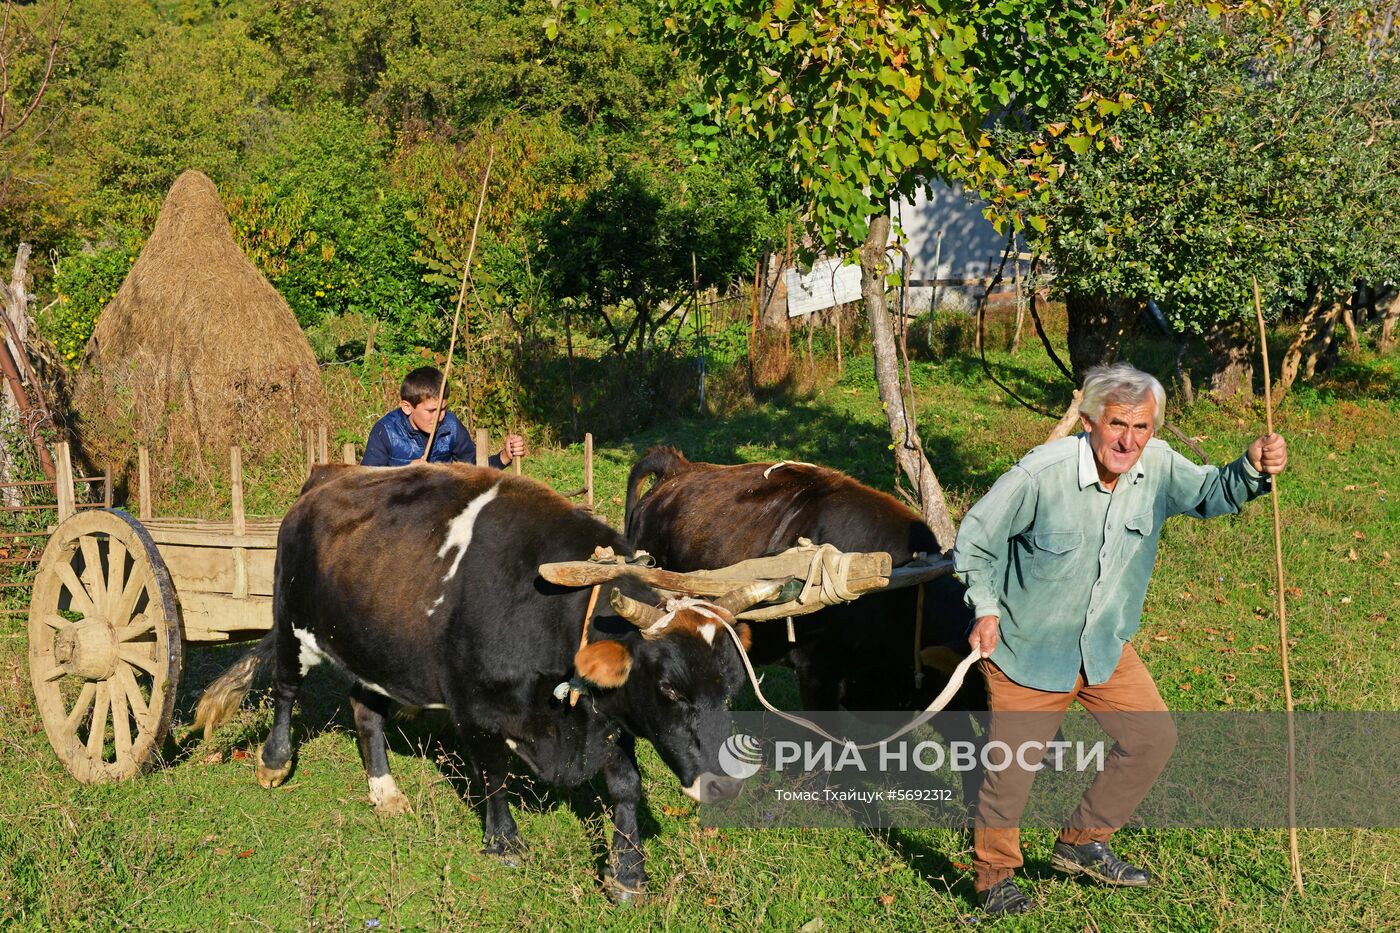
272	777
508	850
396	805
622	893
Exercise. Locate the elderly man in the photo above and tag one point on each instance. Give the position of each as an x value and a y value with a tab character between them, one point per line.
1056	558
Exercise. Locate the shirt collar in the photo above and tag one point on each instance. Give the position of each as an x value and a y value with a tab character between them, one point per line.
1088	468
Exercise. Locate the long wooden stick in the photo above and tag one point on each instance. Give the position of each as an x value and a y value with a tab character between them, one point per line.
1282	613
461	295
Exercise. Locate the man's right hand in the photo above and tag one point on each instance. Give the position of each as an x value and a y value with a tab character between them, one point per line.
985	634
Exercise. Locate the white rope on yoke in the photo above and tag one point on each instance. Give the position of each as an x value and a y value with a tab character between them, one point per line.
784	463
831	570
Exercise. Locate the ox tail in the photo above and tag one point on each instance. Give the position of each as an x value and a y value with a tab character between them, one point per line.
222	698
660	462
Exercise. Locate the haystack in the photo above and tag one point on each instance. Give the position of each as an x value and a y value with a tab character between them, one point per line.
197	350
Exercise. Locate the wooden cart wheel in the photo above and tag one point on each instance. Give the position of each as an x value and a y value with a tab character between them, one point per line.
104	645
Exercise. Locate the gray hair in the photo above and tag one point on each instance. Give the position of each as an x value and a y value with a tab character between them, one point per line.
1121	384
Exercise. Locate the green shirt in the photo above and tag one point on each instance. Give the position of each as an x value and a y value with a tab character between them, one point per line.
1064	562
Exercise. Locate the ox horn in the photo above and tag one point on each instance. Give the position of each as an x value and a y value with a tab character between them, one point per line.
736	601
639	614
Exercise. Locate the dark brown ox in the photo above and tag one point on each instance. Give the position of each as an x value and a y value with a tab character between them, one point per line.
422	583
862	655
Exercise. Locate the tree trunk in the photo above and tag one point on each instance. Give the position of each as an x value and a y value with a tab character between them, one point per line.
1389	317
903	432
1231	344
1350	323
1314	335
1096	327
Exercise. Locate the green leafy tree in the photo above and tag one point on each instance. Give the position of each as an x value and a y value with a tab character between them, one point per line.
864	101
1267	150
626	248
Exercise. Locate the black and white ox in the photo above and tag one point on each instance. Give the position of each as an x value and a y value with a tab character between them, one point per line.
861	655
422	583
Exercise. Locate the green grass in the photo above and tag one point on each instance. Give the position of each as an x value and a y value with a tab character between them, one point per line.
197	845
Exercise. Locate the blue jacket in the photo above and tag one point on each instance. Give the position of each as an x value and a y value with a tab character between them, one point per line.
393	441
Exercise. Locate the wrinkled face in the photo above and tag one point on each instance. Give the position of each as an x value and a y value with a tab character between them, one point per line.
675	692
425	415
1119	435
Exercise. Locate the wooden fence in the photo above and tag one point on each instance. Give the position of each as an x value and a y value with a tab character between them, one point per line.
23	548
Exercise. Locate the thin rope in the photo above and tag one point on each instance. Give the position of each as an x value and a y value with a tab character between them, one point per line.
955	682
1282	613
461	297
786	463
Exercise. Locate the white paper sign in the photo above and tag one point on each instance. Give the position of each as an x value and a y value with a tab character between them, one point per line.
827	285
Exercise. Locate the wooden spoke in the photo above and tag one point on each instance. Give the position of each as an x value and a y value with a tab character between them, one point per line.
133	655
123	607
81	602
116	577
93	579
55	622
58	673
140	625
121	721
80	708
134	699
97	729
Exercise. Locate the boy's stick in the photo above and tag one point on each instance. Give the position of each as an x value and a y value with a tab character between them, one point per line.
1282	616
461	297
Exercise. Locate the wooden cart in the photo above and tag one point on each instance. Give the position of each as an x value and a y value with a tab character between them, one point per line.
117	600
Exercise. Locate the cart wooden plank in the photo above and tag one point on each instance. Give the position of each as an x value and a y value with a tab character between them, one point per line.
211	568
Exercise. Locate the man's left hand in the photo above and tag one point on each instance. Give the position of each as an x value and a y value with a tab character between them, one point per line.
1268	454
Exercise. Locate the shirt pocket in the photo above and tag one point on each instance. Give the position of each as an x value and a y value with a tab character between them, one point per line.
1053	553
1137	530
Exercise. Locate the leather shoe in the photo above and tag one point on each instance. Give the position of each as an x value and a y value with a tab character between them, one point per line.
1097	860
1005	898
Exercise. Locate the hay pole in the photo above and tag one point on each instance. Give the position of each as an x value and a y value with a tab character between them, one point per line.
462	294
1282	612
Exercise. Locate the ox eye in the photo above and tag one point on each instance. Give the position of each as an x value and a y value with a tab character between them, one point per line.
670	692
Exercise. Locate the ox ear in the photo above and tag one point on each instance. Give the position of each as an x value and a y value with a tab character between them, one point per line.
941	658
745	635
604	663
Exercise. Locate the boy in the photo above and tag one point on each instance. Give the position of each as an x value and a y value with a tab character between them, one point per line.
399	437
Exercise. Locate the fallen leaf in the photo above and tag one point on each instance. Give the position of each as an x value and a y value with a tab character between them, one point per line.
1293	591
213	758
961	866
1351	488
245	853
1352	556
239	754
1346	600
1184	686
1230	678
1160	637
886	900
1358	535
811	926
220	850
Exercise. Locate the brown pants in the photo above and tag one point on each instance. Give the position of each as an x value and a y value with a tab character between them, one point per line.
1142	745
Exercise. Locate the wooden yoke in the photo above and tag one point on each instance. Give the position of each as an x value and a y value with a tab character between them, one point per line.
865	573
